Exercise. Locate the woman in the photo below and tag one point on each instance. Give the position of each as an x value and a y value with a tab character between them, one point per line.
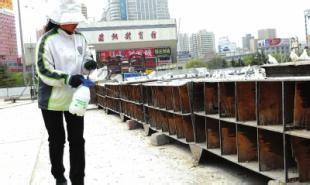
62	58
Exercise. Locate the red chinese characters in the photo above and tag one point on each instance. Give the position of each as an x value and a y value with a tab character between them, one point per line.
114	36
128	36
101	37
154	34
140	35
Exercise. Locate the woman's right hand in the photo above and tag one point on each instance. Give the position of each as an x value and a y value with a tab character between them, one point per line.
76	80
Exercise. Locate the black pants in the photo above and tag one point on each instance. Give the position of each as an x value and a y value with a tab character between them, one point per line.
56	137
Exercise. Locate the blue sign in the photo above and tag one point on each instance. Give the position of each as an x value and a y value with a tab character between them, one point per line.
123	9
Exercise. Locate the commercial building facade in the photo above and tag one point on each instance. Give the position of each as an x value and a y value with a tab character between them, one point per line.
156	40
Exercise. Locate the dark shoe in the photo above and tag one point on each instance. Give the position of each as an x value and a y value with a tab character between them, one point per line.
61	181
77	182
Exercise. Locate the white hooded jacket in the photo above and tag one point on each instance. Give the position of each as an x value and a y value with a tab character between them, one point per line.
59	55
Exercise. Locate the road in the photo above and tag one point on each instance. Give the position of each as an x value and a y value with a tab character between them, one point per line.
114	154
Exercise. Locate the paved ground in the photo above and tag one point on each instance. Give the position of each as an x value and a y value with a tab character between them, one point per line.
115	155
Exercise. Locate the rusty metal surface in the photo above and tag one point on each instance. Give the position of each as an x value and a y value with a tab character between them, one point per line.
113	104
247	144
211	98
246	98
270	103
213	135
289	95
228	138
172	125
131	92
200	129
132	110
302	105
178	120
227	99
188	129
176	99
198	96
112	90
168	93
301	153
164	121
185	104
270	150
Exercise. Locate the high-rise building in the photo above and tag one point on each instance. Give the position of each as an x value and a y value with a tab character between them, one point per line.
269	33
253	45
114	11
194	45
246	42
206	43
132	11
183	42
8	43
84	10
202	44
137	10
307	25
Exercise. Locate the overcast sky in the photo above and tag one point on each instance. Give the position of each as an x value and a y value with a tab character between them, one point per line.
232	18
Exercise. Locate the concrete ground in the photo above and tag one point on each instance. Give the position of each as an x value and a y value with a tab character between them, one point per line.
114	155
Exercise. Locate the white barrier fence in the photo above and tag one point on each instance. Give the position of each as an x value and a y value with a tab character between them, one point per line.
15	91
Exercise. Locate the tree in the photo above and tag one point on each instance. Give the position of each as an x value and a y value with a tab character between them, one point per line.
240	63
195	63
281	58
5	80
217	62
248	60
233	63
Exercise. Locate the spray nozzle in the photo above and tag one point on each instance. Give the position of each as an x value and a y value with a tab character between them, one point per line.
88	83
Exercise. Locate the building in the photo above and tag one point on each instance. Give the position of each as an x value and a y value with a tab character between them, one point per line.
137	10
132	11
183	42
275	46
253	45
206	43
8	43
156	40
84	10
114	11
225	45
246	42
202	44
269	33
307	26
194	45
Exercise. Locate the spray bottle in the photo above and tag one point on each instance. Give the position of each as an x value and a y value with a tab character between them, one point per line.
81	98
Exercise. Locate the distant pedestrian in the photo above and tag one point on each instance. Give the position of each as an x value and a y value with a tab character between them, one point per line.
62	58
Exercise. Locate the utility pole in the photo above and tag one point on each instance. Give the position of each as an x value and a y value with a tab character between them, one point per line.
22	41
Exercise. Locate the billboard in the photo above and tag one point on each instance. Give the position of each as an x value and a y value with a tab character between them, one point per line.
148	52
273	42
6	4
